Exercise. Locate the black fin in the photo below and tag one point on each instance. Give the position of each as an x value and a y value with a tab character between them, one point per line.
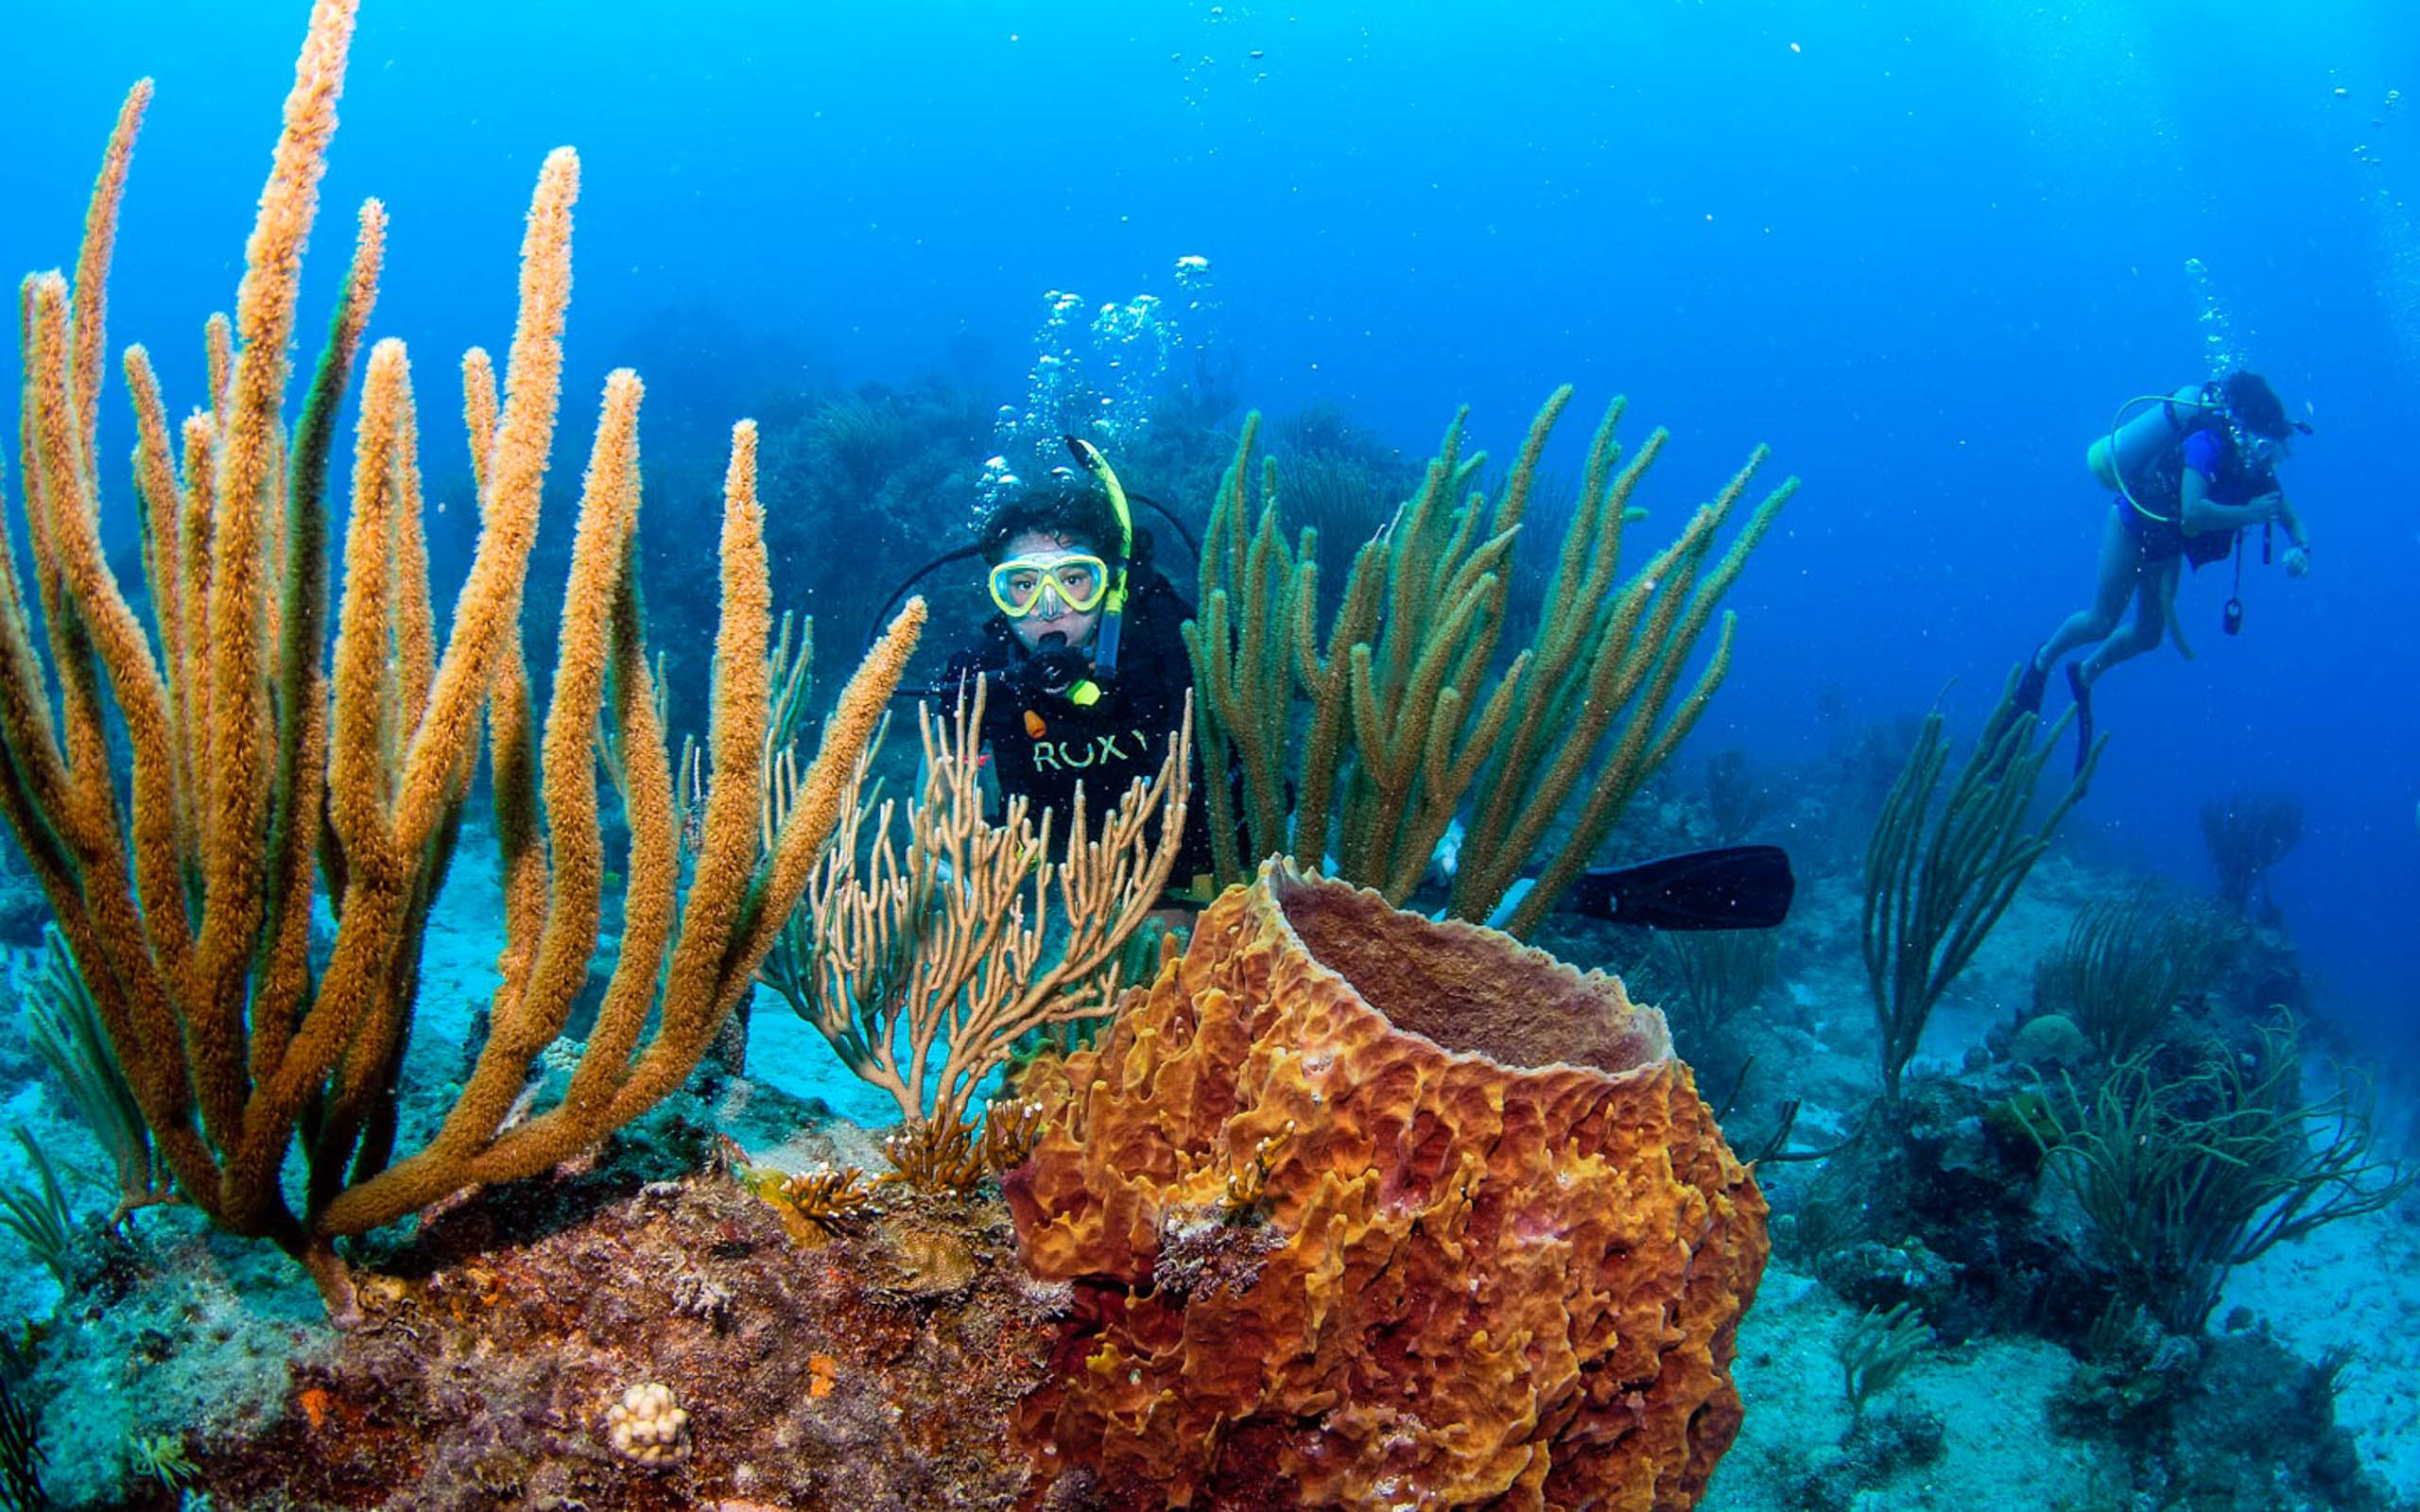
1747	886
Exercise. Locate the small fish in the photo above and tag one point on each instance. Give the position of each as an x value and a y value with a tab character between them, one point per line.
1034	727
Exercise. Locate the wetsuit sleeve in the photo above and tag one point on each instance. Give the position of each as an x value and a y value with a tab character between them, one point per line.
2203	454
1157	679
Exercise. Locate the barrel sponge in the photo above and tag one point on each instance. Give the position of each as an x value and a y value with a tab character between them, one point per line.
1360	1208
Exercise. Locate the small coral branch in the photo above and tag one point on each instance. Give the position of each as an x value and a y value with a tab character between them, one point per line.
64	1027
1011	1127
2247	834
1716	975
2128	961
823	1203
1876	1349
1938	876
936	1157
2186	1178
923	963
39	1214
22	1458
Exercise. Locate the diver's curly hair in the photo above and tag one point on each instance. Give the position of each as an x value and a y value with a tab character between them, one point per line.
1076	512
2255	405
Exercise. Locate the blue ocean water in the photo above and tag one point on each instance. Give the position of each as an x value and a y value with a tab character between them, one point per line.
1921	250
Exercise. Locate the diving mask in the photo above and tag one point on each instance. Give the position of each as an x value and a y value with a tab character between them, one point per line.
1049	585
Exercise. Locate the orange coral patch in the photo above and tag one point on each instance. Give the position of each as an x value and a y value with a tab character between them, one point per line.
1365	1201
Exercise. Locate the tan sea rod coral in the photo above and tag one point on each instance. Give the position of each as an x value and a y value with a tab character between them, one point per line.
1362	1209
266	771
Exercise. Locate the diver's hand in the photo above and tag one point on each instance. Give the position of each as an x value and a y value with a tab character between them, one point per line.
2263	509
2298	562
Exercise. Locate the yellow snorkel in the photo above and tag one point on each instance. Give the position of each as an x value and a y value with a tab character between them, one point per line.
1112	608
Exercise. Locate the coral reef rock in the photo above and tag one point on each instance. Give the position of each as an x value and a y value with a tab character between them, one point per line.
665	1350
1360	1208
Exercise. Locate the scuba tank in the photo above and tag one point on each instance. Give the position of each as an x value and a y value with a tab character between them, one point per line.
2133	444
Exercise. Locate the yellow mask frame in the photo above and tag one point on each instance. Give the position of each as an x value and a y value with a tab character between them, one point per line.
1023	586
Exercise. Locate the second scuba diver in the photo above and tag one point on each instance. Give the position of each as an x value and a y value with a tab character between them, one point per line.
2190	472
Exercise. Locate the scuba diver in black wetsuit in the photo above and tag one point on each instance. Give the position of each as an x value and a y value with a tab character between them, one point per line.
2190	472
1089	672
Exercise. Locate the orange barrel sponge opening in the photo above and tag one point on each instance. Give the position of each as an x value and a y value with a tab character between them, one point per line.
1359	1208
